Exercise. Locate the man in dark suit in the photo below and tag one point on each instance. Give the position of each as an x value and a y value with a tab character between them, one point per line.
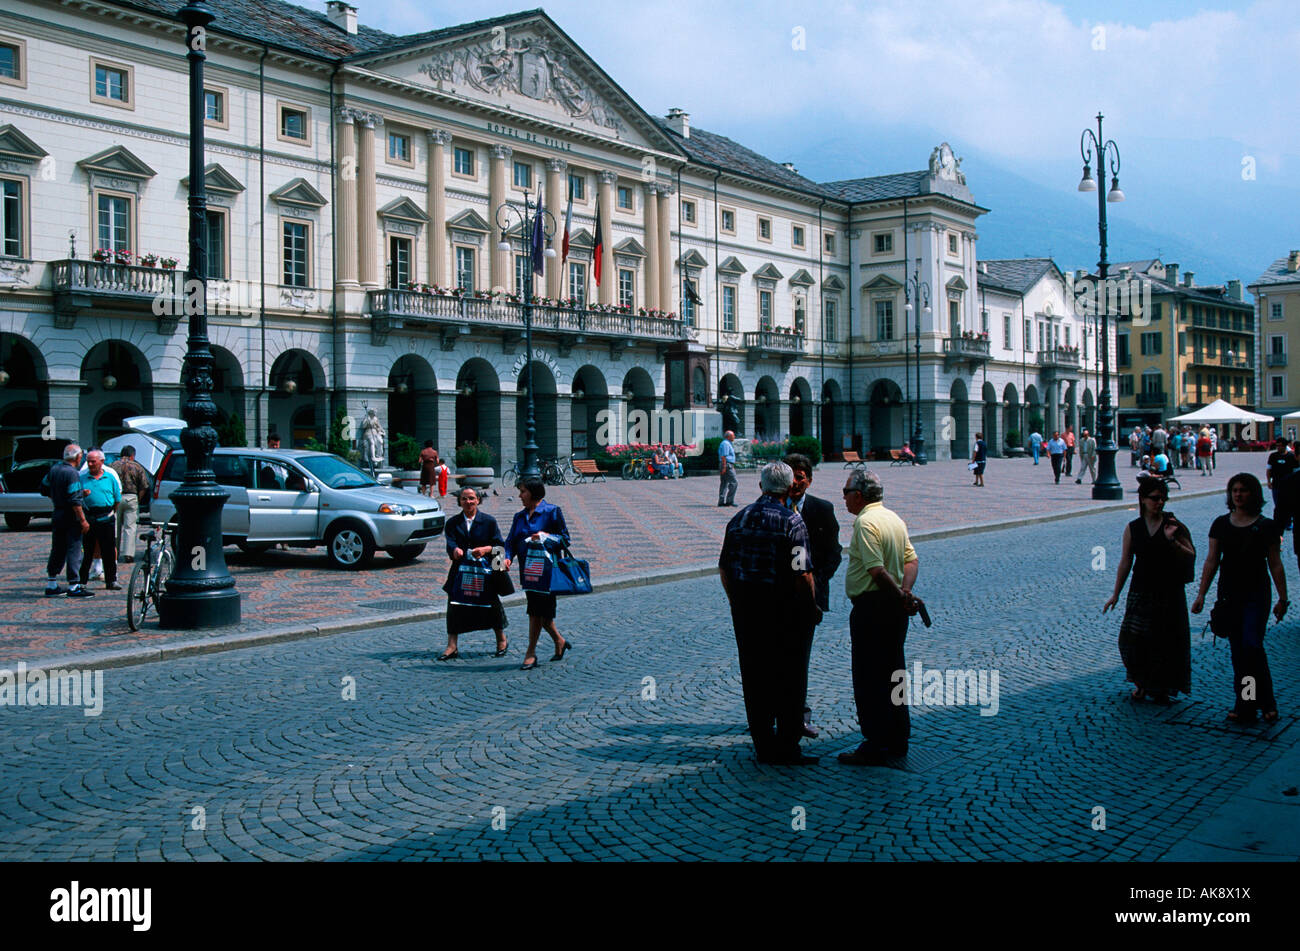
824	538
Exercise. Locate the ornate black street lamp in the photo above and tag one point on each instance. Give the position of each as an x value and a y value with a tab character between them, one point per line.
1096	146
535	226
201	591
914	286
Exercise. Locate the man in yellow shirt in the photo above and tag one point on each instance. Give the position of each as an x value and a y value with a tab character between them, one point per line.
882	569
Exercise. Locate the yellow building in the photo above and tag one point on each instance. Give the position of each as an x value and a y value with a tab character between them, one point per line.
1277	296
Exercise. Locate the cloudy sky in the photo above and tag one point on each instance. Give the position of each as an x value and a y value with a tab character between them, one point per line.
1201	97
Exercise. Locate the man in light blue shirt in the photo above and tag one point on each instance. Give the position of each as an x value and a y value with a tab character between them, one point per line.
727	470
1056	449
1035	444
101	493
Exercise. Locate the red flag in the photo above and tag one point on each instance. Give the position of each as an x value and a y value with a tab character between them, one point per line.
600	245
568	222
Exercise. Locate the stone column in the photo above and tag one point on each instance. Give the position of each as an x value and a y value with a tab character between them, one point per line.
650	292
447	427
667	292
345	269
436	183
367	213
556	196
65	409
501	273
563	424
510	442
608	279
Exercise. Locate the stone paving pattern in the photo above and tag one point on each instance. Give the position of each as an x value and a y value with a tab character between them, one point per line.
586	768
625	529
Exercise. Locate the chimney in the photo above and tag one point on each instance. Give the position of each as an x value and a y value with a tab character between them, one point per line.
1187	278
343	15
1171	273
1125	273
1234	290
680	122
1080	275
1293	262
984	267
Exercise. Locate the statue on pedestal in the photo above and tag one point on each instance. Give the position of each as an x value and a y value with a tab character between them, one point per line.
372	441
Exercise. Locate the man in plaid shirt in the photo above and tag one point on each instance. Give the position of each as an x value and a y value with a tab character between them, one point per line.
766	569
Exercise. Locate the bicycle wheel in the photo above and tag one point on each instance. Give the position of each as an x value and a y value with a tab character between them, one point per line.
629	470
137	604
162	571
572	474
509	477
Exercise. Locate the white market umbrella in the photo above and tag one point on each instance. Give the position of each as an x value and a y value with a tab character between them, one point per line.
1221	411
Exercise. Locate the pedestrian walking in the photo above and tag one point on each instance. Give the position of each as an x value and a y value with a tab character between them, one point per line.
824	538
135	489
1187	447
1154	639
1069	450
1035	444
540	522
67	526
429	463
1087	458
1056	450
1134	446
727	470
101	497
474	534
1204	453
766	569
882	570
1281	463
1244	548
1214	447
979	459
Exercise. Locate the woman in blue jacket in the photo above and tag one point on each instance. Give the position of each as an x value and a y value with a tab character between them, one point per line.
540	521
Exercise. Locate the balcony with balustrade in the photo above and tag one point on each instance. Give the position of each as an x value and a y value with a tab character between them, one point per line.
81	287
772	345
452	317
1059	360
971	348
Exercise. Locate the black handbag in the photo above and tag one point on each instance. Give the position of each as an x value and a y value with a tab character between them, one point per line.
500	583
1223	623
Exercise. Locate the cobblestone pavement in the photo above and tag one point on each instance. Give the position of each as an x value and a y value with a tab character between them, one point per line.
580	759
625	529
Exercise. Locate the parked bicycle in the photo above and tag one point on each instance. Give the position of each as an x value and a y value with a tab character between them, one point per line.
510	476
558	471
636	469
149	576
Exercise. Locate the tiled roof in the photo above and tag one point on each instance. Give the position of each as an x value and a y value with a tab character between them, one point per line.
879	188
1017	275
721	152
1277	274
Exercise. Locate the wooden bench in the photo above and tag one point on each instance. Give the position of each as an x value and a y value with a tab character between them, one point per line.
586	468
852	460
896	458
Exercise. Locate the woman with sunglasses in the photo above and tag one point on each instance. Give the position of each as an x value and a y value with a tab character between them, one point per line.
1154	638
1245	548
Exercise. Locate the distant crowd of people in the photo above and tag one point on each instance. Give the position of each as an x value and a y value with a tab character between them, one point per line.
1160	451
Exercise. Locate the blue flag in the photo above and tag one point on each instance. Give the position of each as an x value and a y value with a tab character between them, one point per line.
539	237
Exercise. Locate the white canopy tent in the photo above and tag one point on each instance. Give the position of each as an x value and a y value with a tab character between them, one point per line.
1220	412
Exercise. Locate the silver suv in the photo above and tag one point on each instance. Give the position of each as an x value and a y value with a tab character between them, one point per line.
305	499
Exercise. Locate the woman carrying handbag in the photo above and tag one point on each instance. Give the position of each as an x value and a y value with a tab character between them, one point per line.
474	534
538	522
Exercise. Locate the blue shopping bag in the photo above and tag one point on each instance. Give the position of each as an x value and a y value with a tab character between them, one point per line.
554	573
469	587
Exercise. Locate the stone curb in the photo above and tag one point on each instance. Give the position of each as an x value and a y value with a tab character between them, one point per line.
131	656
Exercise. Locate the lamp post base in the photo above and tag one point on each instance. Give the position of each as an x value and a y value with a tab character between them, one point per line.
1107	487
199	610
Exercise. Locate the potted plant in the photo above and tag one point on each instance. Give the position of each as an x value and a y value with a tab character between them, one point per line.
404	453
168	264
474	465
101	256
149	260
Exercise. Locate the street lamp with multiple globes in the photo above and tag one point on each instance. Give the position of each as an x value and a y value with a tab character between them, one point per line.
1096	146
201	591
915	286
536	227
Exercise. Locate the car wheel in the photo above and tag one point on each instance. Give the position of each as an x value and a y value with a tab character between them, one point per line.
349	546
18	521
252	548
406	553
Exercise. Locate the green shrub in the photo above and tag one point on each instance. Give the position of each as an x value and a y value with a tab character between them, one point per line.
1035	424
1013	437
767	451
404	451
231	433
706	461
474	455
809	446
315	445
339	443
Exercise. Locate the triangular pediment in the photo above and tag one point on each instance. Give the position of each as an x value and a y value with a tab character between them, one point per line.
582	239
956	284
882	282
630	247
801	278
832	283
731	266
16	146
693	258
528	68
403	209
217	179
117	161
469	220
767	272
298	192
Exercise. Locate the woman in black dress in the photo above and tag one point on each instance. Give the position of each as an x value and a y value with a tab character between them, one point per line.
1244	548
1154	639
474	533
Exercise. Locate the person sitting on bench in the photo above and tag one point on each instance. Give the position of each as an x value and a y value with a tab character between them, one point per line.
908	454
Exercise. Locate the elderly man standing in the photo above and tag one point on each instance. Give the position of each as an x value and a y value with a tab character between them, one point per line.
1087	458
135	487
882	570
101	497
727	470
68	524
766	570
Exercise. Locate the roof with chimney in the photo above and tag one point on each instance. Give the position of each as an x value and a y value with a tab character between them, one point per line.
1218	294
709	148
1017	275
1279	273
